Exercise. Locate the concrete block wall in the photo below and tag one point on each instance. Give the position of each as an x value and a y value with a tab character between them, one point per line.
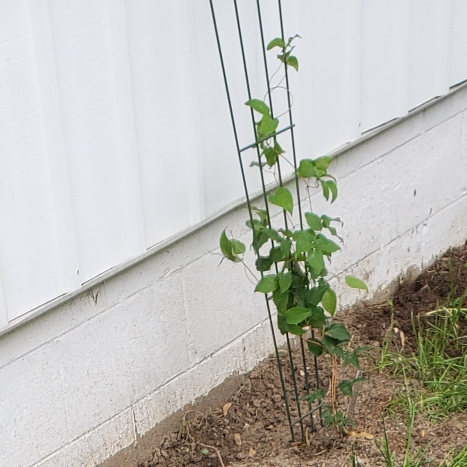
88	378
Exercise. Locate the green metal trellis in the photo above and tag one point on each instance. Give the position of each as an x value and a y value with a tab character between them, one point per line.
297	410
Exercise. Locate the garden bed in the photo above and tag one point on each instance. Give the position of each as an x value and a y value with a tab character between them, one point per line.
250	428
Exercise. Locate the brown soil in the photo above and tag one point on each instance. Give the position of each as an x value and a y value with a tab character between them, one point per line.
250	428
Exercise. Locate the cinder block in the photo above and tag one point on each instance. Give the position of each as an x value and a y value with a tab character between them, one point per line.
60	320
422	177
97	445
448	108
383	266
220	304
122	354
239	356
354	159
34	405
452	222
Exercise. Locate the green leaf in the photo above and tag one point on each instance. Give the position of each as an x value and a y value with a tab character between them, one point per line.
313	221
268	125
276	254
304	240
288	233
256	225
338	331
342	420
267	284
258	105
285	281
329	301
317	319
293	38
277	148
319	173
351	358
317	395
316	262
327	220
271	156
333	231
262	238
261	213
281	324
355	283
316	294
322	163
306	169
315	347
345	387
283	198
238	248
328	416
298	290
225	244
333	189
296	315
325	245
231	249
295	330
263	263
332	346
272	234
280	300
286	246
277	42
258	238
293	62
256	164
325	188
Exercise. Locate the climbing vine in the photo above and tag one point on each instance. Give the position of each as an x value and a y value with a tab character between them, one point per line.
293	260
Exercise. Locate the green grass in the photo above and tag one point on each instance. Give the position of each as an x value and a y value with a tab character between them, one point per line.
434	375
412	457
459	460
438	367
